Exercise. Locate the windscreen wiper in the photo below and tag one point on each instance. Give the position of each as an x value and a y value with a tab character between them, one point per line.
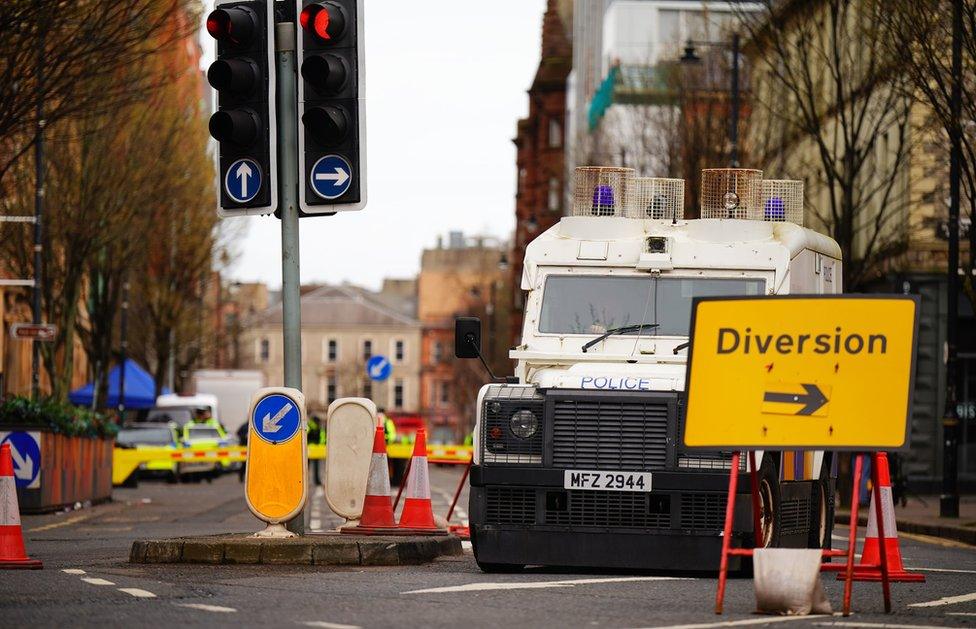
621	330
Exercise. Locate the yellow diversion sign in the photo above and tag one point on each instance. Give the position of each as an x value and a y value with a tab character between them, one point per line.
277	456
803	372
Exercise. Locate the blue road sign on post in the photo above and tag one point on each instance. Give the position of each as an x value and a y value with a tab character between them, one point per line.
242	181
378	368
331	176
25	449
276	418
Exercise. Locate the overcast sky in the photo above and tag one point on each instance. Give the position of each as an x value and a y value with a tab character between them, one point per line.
445	85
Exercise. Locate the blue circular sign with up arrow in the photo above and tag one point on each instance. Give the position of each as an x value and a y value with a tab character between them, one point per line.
378	368
242	181
26	455
276	418
331	176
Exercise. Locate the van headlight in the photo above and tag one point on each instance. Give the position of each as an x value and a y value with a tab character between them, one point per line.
511	425
524	424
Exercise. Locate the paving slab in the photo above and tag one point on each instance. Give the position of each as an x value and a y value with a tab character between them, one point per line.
320	549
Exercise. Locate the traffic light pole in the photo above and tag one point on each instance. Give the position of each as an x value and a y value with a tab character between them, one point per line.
287	97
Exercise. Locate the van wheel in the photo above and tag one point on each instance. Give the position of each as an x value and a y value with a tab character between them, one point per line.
500	568
493	568
821	509
769	504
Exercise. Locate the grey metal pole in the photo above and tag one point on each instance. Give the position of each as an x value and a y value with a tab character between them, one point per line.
734	114
949	500
36	313
288	208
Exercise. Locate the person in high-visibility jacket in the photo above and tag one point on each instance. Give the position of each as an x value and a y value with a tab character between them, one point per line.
389	428
316	435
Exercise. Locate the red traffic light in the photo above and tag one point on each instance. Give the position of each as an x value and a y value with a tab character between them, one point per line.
324	20
235	25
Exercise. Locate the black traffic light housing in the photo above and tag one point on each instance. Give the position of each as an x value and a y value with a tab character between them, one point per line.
331	109
243	123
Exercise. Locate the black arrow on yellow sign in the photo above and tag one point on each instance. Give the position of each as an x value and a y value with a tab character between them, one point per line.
812	400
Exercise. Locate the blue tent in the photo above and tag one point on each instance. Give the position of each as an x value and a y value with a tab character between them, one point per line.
140	389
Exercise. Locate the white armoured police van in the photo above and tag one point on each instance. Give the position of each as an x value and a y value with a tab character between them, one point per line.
578	458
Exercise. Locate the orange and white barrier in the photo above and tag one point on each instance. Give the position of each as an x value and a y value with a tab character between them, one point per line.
13	555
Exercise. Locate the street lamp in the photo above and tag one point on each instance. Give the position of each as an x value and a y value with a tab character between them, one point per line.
690	57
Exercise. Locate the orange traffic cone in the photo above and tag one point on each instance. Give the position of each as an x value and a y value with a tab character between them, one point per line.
377	518
12	552
870	567
418	512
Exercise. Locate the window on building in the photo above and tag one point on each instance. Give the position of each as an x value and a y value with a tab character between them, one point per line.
554	194
264	350
399	350
331	390
438	352
555	134
367	349
332	350
367	388
445	397
398	394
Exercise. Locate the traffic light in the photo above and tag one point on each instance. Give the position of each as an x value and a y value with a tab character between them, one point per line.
243	124
332	130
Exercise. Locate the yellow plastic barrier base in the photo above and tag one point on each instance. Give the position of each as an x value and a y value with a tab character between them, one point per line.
125	461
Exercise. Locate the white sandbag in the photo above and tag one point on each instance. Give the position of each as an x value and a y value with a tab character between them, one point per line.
788	581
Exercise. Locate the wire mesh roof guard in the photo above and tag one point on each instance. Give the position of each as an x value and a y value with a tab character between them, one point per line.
731	193
782	200
602	190
657	198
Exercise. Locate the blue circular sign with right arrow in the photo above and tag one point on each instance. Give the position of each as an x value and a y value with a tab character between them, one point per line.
331	176
242	181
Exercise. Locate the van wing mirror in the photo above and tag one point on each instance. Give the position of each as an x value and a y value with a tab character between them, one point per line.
467	337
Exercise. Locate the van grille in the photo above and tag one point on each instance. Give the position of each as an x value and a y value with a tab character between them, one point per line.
610	435
510	505
611	508
703	511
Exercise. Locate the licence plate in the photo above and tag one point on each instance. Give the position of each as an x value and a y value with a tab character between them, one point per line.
613	481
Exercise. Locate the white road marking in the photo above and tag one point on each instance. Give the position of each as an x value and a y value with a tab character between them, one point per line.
328	625
960	613
844	538
72	571
138	593
953	570
535	585
875	625
465	544
96	581
947	600
735	623
208	608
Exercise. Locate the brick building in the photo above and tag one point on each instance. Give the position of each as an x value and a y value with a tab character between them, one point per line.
464	277
539	142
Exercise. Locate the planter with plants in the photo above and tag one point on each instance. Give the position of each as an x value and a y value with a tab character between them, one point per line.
62	453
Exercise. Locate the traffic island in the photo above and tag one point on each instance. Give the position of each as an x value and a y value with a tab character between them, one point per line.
316	549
